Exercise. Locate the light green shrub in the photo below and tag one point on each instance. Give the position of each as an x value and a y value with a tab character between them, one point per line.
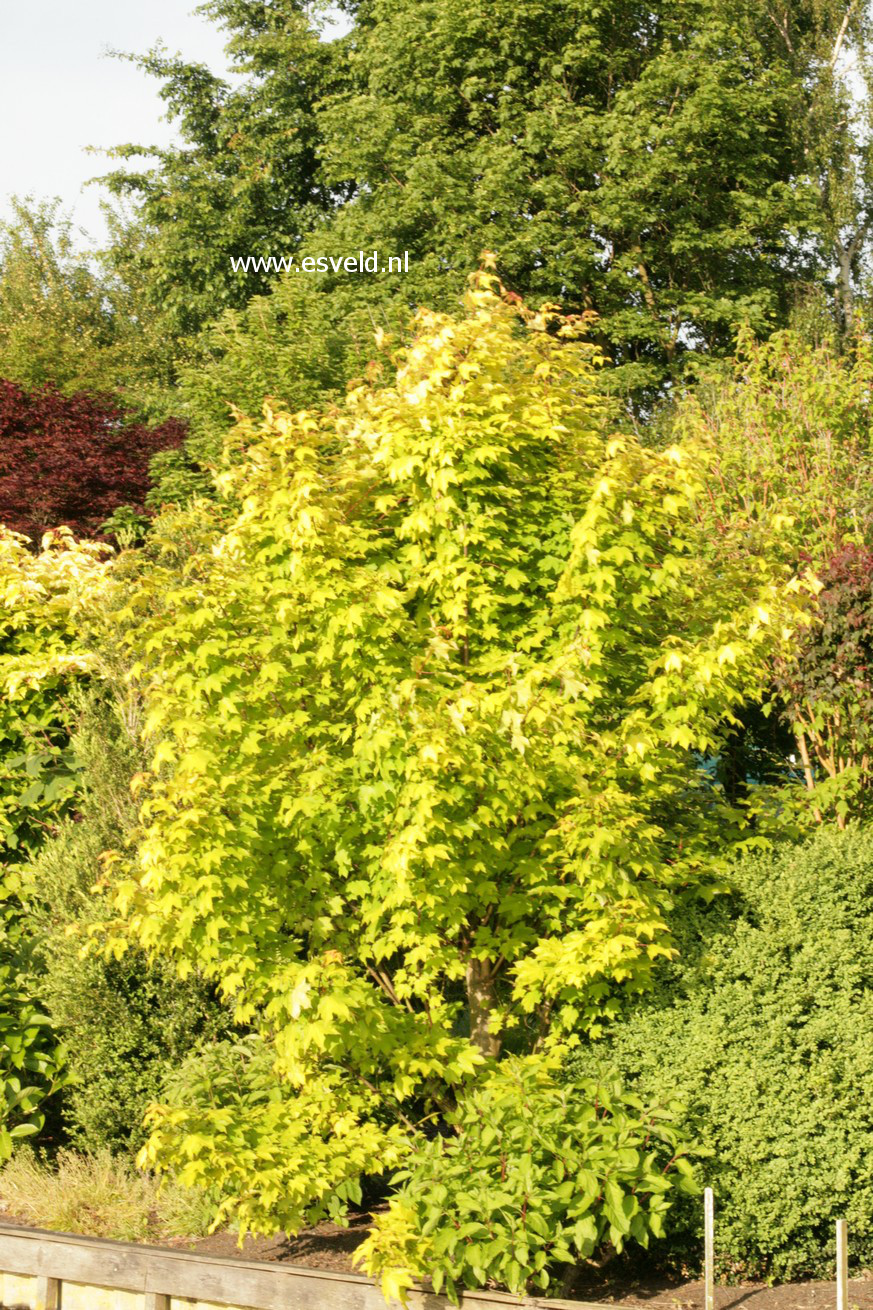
533	1177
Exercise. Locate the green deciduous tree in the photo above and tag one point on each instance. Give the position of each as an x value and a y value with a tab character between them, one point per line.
69	321
839	161
245	180
660	164
55	324
640	160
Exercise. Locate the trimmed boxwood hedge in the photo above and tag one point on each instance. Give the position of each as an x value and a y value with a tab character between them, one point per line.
765	1030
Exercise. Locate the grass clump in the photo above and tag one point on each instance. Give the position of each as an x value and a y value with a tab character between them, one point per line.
100	1195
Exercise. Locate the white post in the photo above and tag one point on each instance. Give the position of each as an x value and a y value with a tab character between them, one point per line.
709	1252
842	1265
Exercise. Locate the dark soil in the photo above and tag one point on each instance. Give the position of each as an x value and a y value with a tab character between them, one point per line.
327	1246
636	1282
628	1283
639	1282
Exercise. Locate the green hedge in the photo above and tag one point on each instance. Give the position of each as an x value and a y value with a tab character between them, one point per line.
126	1024
765	1031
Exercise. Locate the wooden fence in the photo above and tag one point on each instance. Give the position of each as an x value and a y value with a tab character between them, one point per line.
41	1270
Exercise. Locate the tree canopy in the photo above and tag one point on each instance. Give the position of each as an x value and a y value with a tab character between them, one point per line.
424	718
657	164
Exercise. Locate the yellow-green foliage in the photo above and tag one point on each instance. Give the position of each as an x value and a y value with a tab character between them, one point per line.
40	657
423	722
41	654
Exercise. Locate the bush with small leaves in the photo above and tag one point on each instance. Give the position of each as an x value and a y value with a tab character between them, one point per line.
126	1023
765	1031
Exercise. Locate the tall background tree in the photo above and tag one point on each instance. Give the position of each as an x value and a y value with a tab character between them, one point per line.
55	323
246	179
651	162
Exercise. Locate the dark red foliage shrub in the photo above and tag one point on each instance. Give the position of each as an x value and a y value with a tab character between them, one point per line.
834	659
827	684
72	459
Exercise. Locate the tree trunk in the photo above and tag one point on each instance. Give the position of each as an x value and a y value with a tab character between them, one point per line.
480	997
846	253
800	737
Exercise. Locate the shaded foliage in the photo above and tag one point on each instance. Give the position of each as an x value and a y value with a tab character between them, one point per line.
126	1023
41	663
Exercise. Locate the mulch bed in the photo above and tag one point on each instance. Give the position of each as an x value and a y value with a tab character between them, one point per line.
327	1246
635	1282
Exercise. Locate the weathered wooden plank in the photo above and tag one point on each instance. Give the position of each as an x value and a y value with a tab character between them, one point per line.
48	1293
229	1281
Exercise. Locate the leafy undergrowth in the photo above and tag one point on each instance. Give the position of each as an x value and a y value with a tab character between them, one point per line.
100	1195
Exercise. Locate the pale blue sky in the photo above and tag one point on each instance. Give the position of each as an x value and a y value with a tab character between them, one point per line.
60	93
